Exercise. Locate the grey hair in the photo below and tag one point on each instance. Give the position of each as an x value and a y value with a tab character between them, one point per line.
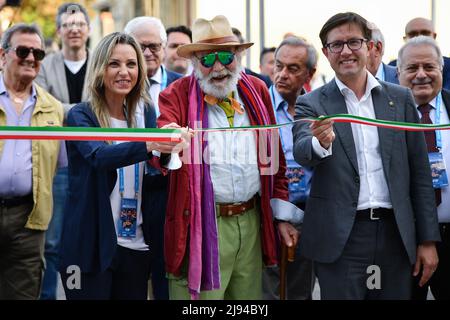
377	37
21	28
70	8
418	41
311	62
142	22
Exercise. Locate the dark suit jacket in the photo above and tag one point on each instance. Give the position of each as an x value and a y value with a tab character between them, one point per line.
89	238
331	207
172	76
390	74
446	98
445	72
264	78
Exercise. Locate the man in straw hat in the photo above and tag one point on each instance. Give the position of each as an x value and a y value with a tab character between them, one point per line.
219	221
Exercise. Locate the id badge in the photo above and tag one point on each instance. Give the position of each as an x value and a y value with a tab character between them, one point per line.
128	218
438	170
297	184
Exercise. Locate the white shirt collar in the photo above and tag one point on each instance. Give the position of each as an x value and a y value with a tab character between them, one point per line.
380	72
371	83
432	103
158	76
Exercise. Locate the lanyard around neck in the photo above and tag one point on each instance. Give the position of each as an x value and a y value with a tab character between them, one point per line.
437	120
275	107
136	181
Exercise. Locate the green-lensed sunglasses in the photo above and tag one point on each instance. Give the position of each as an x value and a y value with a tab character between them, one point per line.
225	58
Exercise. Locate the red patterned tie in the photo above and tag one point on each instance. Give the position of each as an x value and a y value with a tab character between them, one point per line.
430	138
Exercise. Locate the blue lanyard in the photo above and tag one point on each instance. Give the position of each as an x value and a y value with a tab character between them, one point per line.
437	120
136	181
163	79
272	97
136	173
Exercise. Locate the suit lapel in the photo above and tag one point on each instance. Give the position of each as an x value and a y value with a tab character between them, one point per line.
343	130
384	109
446	100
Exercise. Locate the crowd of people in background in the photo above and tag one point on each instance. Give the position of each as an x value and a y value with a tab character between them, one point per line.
343	197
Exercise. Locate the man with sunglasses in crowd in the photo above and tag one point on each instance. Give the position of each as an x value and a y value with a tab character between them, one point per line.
152	37
63	75
27	167
219	220
371	212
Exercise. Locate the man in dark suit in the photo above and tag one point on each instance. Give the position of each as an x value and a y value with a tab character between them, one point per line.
260	76
375	65
371	213
151	35
420	69
425	27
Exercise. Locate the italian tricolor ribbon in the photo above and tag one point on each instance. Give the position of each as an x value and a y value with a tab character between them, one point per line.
166	135
89	133
349	119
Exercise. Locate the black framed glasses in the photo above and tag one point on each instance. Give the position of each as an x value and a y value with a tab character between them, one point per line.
153	47
225	58
22	52
352	44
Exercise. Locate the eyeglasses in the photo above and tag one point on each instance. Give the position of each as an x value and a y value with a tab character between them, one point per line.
72	25
153	47
22	52
352	44
225	58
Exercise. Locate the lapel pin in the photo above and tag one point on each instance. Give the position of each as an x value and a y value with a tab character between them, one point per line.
391	103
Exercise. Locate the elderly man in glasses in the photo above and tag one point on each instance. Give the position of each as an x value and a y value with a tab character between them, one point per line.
222	201
27	167
371	213
152	37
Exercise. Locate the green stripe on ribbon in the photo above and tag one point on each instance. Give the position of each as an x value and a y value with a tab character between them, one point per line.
135	133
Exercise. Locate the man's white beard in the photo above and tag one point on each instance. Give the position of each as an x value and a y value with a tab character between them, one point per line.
208	86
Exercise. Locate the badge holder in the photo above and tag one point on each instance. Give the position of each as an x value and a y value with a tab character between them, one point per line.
438	170
127	223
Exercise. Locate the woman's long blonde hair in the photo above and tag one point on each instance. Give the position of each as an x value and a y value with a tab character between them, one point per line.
96	71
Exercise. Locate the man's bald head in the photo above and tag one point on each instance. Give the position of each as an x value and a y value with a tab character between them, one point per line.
419	26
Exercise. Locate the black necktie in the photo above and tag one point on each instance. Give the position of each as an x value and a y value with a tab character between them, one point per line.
430	138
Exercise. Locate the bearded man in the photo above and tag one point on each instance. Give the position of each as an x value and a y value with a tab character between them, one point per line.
219	222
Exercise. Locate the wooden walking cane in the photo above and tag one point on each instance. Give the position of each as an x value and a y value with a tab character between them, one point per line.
287	254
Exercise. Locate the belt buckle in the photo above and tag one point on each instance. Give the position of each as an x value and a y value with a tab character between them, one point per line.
372	215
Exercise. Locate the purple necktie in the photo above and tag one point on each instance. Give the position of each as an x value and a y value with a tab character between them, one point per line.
430	138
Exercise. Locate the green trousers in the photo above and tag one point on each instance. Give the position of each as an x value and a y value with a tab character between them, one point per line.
240	261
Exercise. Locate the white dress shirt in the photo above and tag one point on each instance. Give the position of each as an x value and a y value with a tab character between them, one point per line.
444	208
373	192
155	89
233	157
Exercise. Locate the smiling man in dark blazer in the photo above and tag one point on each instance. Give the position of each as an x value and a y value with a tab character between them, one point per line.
371	212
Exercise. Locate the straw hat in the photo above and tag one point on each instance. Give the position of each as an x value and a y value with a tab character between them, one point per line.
212	34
